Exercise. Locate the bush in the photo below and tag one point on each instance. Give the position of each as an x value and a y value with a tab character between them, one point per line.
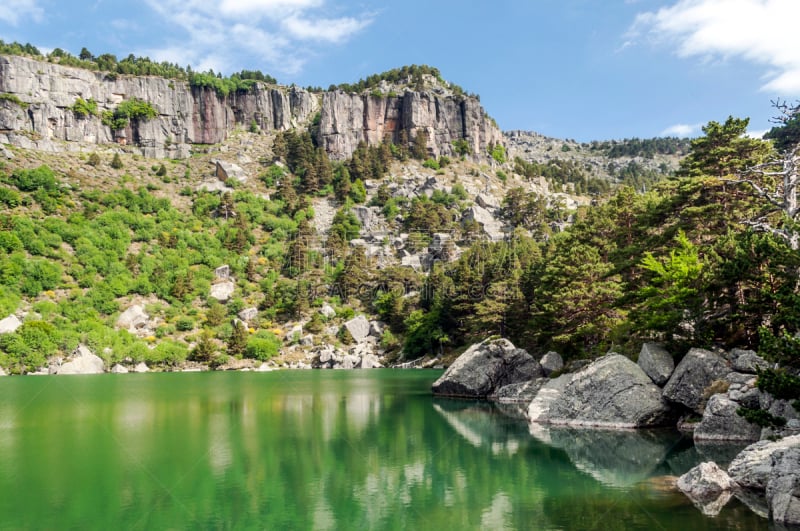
184	324
431	164
83	108
116	162
94	159
132	109
263	345
41	178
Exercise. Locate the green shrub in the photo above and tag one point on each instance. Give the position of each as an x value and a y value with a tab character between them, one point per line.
431	164
94	159
41	178
132	109
10	198
184	324
263	345
116	162
13	99
83	108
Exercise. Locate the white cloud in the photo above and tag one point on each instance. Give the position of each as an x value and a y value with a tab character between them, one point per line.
13	11
760	31
278	32
681	130
757	134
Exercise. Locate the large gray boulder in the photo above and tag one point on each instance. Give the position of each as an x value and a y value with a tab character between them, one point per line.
222	291
83	361
656	363
693	374
612	392
705	484
119	369
358	328
722	423
551	362
9	324
748	361
548	394
517	393
751	469
133	318
783	488
485	367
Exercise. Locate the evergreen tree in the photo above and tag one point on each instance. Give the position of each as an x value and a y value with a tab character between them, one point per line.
420	148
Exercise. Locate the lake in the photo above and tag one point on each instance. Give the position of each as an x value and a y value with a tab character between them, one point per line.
321	450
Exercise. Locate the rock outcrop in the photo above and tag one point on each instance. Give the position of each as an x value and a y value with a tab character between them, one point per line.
83	361
751	469
551	362
347	119
486	367
612	392
9	324
693	374
708	486
783	488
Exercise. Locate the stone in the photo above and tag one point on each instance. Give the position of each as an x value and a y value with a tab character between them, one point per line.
693	374
751	469
492	227
487	201
349	362
358	328
721	422
141	367
376	329
133	318
119	369
327	311
3	372
549	393
264	367
551	362
223	272
656	363
307	341
748	361
9	324
783	488
82	361
248	314
222	291
706	481
518	393
611	392
228	170
370	361
486	367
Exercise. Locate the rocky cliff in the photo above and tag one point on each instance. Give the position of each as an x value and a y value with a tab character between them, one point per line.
348	119
36	96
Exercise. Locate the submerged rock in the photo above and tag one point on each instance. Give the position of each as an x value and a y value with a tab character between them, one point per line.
693	374
612	392
486	367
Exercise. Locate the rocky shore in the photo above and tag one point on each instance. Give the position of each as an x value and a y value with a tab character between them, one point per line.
701	395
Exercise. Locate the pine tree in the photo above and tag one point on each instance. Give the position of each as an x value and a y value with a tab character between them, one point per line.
420	148
237	343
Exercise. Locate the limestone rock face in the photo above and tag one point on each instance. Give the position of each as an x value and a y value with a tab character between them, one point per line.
485	367
611	392
490	225
692	375
186	115
722	423
347	119
133	318
656	362
83	361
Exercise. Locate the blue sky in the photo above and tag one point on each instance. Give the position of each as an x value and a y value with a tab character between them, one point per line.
582	69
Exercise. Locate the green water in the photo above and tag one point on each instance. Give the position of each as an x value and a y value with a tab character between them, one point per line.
318	450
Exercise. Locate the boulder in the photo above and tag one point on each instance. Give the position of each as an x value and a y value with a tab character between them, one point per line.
722	423
229	170
612	392
3	372
549	393
9	324
693	374
783	488
82	361
376	329
133	318
486	367
349	362
119	369
358	328
327	311
751	469
748	361
223	272
222	291
656	363
370	361
706	481
141	367
265	367
491	226
551	362
518	393
248	314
